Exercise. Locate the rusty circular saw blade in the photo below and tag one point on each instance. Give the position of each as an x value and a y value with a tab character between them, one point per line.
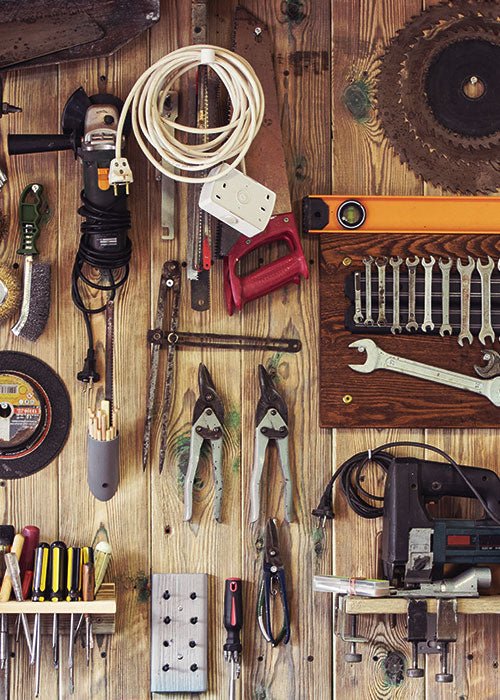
462	64
443	157
424	121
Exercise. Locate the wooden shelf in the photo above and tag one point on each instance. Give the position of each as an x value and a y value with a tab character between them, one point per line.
483	605
102	609
105	603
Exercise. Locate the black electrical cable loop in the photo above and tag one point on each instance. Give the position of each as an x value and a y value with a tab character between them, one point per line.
98	222
356	464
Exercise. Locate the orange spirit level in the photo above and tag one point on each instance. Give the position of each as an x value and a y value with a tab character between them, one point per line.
372	214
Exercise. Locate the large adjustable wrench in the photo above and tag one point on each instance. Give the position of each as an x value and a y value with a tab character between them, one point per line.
376	358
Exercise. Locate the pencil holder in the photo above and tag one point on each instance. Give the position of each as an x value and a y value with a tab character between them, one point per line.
103	467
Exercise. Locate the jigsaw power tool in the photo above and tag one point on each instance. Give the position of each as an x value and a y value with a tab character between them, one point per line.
416	547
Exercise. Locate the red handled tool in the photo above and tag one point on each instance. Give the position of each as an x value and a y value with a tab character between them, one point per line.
276	274
233	622
265	162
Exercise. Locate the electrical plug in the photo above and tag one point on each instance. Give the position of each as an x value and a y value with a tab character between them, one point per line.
120	174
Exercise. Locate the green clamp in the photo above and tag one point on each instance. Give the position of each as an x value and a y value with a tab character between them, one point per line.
33	212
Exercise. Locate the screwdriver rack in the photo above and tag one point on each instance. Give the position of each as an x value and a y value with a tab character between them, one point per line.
102	609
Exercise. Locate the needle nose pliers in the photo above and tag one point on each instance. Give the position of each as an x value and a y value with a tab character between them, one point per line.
208	416
271	423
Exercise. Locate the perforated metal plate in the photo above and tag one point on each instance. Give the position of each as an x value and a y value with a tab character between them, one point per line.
179	622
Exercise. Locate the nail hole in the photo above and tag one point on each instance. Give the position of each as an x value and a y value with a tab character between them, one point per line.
260	658
192	644
165	668
286	72
470	656
165	643
105	485
193	596
168	529
311	262
166	595
103	654
194	667
193	620
310	658
375	658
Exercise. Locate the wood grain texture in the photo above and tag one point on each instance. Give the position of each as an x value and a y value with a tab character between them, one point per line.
363	163
325	63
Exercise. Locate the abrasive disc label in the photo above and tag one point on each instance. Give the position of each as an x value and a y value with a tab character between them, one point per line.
20	410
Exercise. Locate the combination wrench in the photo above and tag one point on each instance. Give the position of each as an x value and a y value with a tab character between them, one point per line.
367	262
376	358
445	268
485	274
395	263
428	324
381	264
465	272
412	324
358	314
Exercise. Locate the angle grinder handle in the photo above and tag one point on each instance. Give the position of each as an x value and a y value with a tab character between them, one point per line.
441	479
276	274
18	144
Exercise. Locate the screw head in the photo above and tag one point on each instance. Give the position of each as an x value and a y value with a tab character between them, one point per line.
347	261
347	398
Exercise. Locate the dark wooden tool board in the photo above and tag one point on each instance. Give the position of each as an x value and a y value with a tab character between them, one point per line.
385	399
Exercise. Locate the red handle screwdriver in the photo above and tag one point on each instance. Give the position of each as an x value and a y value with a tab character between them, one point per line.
233	622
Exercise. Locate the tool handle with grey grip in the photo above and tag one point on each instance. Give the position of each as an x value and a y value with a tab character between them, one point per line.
103	467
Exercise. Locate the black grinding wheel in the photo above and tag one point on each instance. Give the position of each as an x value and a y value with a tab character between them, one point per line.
35	414
449	79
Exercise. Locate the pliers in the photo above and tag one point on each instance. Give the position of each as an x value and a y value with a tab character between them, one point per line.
273	582
208	416
271	423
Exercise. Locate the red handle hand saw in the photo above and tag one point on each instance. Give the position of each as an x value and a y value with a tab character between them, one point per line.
264	162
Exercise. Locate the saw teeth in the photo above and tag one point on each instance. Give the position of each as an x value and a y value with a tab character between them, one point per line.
448	159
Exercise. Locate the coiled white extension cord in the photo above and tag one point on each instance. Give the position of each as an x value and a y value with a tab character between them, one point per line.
224	143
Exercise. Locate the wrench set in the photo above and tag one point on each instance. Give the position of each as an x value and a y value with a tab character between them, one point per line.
433	295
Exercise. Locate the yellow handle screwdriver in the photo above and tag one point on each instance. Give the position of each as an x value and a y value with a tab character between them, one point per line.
57	589
6	589
40	593
73	593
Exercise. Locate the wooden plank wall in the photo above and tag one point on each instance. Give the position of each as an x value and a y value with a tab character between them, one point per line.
321	50
364	164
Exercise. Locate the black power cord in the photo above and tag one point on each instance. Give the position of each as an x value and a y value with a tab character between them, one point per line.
100	226
350	482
